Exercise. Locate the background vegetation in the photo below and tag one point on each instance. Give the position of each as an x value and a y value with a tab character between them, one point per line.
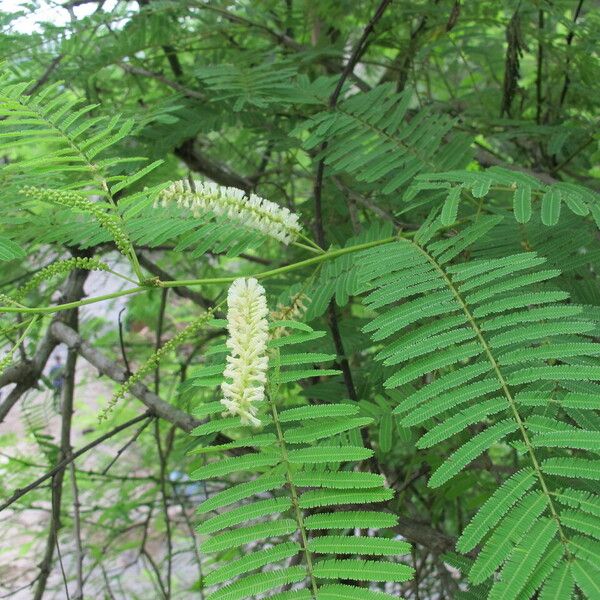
451	148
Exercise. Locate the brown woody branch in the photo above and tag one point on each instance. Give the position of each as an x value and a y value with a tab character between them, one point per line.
65	334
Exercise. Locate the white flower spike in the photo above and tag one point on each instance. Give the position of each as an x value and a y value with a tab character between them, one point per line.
246	370
250	211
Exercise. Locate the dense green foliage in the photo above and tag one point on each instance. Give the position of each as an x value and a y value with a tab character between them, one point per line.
430	425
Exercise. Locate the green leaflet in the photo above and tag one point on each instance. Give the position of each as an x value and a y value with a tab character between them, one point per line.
519	335
586	549
450	208
583	440
471	450
252	561
518	301
531	315
524	559
581	401
257	441
292	376
511	530
244	535
244	513
581	522
586	579
249	586
572	467
338	479
328	454
494	509
312	433
550	351
560	585
318	411
249	462
341	544
299	359
316	498
362	570
581	500
242	491
350	592
350	520
522	204
551	202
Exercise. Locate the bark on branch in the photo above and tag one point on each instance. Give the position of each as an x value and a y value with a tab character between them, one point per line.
65	334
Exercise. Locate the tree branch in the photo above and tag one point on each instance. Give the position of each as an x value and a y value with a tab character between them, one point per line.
164	410
221	174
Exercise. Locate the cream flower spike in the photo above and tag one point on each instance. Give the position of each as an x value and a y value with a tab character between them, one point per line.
247	363
250	211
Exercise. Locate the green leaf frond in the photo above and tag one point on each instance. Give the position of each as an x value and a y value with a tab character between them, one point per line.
498	348
377	138
524	189
300	483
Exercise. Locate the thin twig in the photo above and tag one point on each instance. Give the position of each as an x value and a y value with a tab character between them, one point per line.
122	342
122	449
77	534
65	456
162	457
165	80
62	570
19	493
570	36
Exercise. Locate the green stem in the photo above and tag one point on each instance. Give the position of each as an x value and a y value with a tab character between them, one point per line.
281	270
309	248
21	338
209	281
505	389
311	243
298	515
46	310
117	274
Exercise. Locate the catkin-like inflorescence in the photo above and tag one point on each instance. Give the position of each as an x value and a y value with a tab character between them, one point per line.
250	211
59	268
98	210
246	370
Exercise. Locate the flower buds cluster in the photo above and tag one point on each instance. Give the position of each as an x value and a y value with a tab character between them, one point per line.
59	267
249	211
246	370
292	312
110	222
